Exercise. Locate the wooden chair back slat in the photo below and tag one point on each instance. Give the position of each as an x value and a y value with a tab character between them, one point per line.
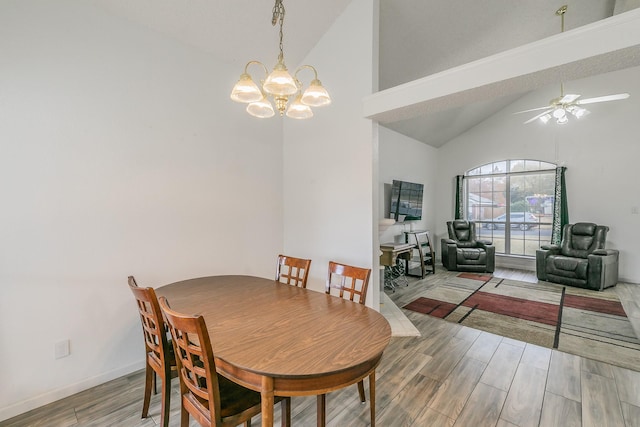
351	282
293	271
194	357
158	349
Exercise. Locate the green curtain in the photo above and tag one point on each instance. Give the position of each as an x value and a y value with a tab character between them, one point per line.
560	209
459	197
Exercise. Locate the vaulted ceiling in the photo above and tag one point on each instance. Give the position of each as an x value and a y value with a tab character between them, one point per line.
417	38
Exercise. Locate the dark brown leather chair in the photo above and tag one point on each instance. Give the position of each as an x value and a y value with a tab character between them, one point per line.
463	252
581	258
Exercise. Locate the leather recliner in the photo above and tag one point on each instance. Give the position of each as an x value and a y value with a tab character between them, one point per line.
462	252
581	258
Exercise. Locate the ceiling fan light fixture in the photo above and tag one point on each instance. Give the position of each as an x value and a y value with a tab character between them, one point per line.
569	103
581	112
577	111
559	113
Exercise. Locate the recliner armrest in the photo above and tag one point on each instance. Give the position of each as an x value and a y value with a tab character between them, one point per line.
484	243
604	252
448	253
603	269
541	259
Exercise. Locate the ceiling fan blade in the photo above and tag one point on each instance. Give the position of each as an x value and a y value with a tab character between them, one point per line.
570	97
603	98
548	110
533	109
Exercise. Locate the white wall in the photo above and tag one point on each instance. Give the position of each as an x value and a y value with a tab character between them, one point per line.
328	162
405	159
600	152
121	154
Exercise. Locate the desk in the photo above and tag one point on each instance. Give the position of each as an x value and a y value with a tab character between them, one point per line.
391	253
284	340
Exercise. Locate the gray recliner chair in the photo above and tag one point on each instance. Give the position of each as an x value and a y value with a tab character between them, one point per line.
462	252
581	259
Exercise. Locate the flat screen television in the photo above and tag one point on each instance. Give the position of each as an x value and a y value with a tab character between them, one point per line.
406	201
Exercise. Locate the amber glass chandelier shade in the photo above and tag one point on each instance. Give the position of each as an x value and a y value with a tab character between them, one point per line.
246	90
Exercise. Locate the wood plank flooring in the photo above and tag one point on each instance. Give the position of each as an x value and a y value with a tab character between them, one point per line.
450	376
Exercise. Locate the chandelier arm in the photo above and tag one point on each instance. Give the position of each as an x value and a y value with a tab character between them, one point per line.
246	67
302	67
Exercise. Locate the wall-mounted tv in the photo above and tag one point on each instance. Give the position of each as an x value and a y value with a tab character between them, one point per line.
406	201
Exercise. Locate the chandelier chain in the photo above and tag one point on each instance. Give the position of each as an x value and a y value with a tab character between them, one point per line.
278	17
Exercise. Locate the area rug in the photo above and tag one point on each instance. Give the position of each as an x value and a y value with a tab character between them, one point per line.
586	323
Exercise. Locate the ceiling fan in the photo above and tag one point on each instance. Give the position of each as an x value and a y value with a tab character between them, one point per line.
559	108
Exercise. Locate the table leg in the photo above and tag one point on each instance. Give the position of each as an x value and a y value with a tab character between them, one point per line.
372	397
267	402
321	410
285	404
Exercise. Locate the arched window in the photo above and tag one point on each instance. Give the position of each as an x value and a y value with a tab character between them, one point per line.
511	202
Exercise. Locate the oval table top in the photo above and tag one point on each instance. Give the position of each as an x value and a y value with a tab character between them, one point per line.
278	330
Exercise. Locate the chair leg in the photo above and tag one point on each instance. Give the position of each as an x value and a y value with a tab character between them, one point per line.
361	391
166	399
148	380
285	407
321	410
184	416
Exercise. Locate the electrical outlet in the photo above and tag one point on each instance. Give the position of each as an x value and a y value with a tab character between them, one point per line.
62	349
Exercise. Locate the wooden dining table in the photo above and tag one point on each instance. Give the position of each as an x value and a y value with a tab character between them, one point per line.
282	340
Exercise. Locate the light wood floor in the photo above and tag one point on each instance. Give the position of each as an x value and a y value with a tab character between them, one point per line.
450	376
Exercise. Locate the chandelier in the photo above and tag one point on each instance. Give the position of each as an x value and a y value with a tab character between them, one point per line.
280	86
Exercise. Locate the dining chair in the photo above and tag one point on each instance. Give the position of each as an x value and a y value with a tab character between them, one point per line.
349	280
160	359
351	283
292	271
211	399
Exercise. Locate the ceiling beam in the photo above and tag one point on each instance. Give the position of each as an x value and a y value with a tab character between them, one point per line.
603	46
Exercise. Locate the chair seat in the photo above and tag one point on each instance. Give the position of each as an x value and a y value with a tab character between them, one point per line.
575	268
234	399
471	256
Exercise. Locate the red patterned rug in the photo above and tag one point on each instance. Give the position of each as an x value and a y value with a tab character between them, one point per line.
578	321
